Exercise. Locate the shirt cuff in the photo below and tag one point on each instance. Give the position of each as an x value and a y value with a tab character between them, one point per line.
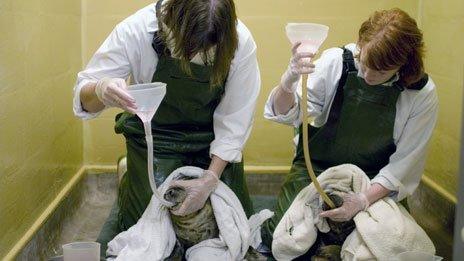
226	152
77	105
290	118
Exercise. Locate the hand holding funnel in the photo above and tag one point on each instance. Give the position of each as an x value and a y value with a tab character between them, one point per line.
311	36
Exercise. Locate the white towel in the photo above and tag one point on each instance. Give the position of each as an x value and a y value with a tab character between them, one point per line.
153	236
297	230
383	231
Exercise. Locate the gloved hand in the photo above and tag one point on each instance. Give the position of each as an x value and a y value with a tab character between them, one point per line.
198	191
112	92
299	64
352	204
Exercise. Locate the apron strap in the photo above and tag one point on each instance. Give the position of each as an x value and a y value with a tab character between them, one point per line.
415	86
158	44
420	84
335	110
158	8
348	60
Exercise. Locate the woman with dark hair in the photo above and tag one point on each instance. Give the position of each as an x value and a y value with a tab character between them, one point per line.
208	60
372	105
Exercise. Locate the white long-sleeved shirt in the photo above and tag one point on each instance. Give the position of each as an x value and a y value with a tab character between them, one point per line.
128	52
416	114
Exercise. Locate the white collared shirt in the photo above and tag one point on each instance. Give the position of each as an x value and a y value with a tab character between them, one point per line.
128	52
416	115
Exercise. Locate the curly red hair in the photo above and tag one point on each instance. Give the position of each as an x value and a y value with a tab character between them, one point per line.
390	39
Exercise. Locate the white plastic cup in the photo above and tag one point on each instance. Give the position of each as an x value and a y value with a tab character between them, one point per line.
310	35
148	97
79	251
462	234
417	256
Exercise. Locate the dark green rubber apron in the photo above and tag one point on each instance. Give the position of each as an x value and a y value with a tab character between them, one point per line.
182	133
359	130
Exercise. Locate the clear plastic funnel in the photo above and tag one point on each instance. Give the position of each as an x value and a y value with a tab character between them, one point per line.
148	97
77	251
310	35
417	256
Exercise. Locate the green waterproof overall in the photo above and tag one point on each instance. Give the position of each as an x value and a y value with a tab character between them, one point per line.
182	132
359	130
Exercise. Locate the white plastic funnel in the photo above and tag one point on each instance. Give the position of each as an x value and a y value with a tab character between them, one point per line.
310	35
417	256
78	251
148	97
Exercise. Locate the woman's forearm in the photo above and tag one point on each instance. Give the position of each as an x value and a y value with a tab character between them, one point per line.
89	99
217	165
376	192
283	101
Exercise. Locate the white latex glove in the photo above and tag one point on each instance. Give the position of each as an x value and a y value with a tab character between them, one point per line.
353	203
300	63
198	191
112	93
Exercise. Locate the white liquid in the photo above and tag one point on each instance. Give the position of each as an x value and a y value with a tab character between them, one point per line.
309	46
146	116
149	139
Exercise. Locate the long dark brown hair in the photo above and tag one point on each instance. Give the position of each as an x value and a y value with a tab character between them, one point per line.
196	26
391	39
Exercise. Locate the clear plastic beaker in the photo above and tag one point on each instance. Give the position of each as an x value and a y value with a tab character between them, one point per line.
78	251
148	97
417	256
310	35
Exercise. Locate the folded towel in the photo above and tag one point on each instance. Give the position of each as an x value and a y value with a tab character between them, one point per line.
153	237
383	231
377	234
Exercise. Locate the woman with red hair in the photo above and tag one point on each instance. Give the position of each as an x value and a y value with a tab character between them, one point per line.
373	106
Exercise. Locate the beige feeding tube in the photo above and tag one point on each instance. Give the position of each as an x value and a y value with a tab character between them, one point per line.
148	98
311	37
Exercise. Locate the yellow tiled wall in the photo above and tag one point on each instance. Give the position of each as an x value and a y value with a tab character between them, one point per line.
270	143
443	26
40	140
43	46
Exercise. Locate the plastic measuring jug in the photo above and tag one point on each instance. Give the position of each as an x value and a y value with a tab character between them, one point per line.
417	256
77	251
310	35
148	98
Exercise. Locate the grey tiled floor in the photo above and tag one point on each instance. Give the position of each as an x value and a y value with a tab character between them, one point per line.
263	201
99	195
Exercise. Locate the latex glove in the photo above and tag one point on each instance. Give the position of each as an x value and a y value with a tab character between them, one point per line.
299	64
353	203
198	191
112	93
